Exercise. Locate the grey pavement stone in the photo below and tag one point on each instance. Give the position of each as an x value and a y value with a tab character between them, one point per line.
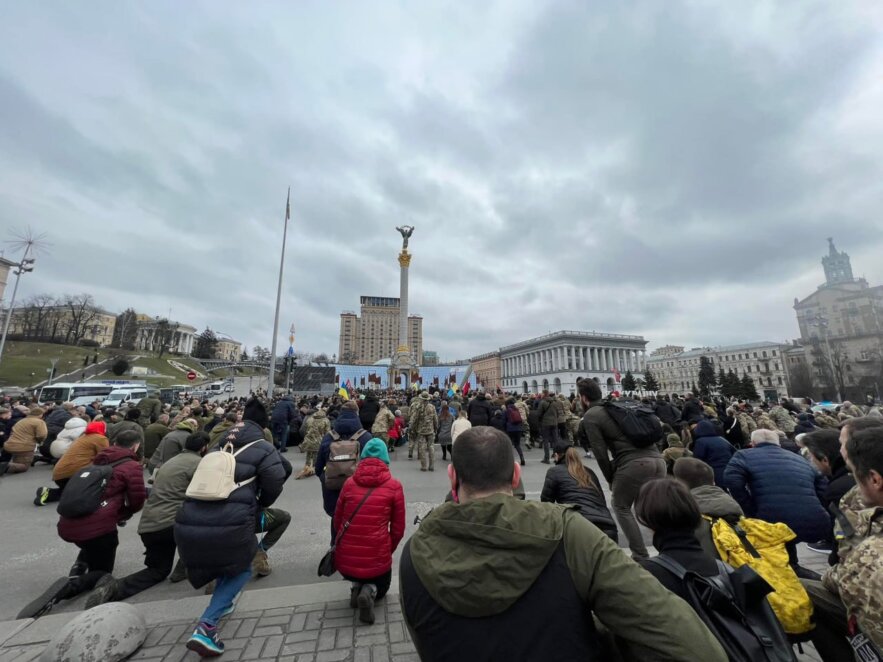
339	613
337	622
314	620
333	656
380	654
272	647
362	655
283	611
148	653
297	637
400	649
299	647
247	627
297	622
266	621
370	639
344	638
396	633
267	631
306	608
326	639
410	657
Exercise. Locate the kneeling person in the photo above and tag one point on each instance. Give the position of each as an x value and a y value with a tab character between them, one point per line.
157	526
514	559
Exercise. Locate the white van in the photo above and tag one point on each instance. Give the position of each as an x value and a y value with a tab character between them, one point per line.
130	395
83	393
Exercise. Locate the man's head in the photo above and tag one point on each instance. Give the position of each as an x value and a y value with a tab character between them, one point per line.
764	437
133	414
197	442
824	449
852	425
483	465
128	439
589	391
163	419
692	472
864	455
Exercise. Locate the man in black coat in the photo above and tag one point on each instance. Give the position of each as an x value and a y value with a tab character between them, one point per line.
284	415
216	539
692	409
479	411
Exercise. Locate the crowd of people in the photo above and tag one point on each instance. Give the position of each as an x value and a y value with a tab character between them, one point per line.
487	557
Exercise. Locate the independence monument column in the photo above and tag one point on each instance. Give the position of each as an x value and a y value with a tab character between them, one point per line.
402	362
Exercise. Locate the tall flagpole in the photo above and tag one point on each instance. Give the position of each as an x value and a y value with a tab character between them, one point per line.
278	297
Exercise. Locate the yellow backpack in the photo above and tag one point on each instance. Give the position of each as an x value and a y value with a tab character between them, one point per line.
761	546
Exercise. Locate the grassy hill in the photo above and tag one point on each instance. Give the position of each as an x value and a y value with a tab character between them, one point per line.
27	363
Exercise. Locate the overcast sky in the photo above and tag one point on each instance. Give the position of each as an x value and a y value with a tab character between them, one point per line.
669	169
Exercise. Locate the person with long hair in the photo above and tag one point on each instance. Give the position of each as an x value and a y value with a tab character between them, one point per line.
514	426
571	482
445	429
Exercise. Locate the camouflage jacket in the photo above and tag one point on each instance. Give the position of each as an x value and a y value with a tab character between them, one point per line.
764	422
858	576
317	427
825	421
782	419
522	409
384	421
748	425
424	420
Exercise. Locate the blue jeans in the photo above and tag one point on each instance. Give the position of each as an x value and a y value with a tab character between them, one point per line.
226	589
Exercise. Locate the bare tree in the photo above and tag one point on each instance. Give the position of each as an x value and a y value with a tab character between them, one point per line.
164	335
81	312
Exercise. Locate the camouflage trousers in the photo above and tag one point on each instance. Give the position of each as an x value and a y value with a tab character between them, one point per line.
426	452
311	458
412	443
384	437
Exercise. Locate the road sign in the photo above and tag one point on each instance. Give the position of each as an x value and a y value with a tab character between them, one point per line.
191	375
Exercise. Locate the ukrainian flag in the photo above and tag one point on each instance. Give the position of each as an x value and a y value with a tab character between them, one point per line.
342	392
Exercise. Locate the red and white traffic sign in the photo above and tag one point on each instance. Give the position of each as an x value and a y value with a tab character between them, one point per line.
191	375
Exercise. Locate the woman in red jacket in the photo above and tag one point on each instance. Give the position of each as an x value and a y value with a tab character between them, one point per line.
364	548
96	533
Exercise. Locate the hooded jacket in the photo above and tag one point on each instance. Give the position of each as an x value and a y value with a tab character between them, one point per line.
712	449
561	487
82	452
284	412
474	576
776	485
216	538
714	503
73	429
366	550
345	425
26	433
123	497
170	446
368	412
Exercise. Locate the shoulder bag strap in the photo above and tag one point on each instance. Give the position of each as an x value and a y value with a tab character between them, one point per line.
247	446
670	564
346	524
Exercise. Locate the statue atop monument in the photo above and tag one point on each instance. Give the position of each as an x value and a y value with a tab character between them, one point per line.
406	231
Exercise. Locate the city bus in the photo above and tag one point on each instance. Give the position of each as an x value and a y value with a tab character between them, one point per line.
81	393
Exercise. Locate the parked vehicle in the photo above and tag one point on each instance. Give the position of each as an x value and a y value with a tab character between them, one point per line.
80	393
131	396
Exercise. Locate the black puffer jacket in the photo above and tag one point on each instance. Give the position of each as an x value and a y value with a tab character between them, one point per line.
561	487
216	538
479	411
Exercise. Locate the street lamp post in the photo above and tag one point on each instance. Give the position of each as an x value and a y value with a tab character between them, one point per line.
25	266
822	323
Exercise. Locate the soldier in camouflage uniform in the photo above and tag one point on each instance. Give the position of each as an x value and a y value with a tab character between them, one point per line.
850	409
317	427
748	426
521	406
783	420
853	588
824	420
383	424
423	426
764	422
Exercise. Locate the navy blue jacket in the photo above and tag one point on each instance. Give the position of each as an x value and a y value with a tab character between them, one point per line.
346	425
216	538
285	412
712	449
776	485
512	427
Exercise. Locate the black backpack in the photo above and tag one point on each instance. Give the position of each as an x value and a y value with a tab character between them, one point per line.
84	492
733	605
637	422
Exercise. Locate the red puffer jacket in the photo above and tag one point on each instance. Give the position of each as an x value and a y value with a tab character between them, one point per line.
124	495
365	551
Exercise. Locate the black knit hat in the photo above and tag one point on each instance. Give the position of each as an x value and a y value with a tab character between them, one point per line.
256	412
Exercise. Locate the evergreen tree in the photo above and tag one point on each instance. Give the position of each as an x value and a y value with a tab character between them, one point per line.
650	383
628	382
120	366
721	380
707	381
731	387
748	390
206	342
695	390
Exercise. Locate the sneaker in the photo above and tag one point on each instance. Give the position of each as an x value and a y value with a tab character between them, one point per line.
47	600
205	641
42	495
261	564
365	602
545	461
105	591
821	547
